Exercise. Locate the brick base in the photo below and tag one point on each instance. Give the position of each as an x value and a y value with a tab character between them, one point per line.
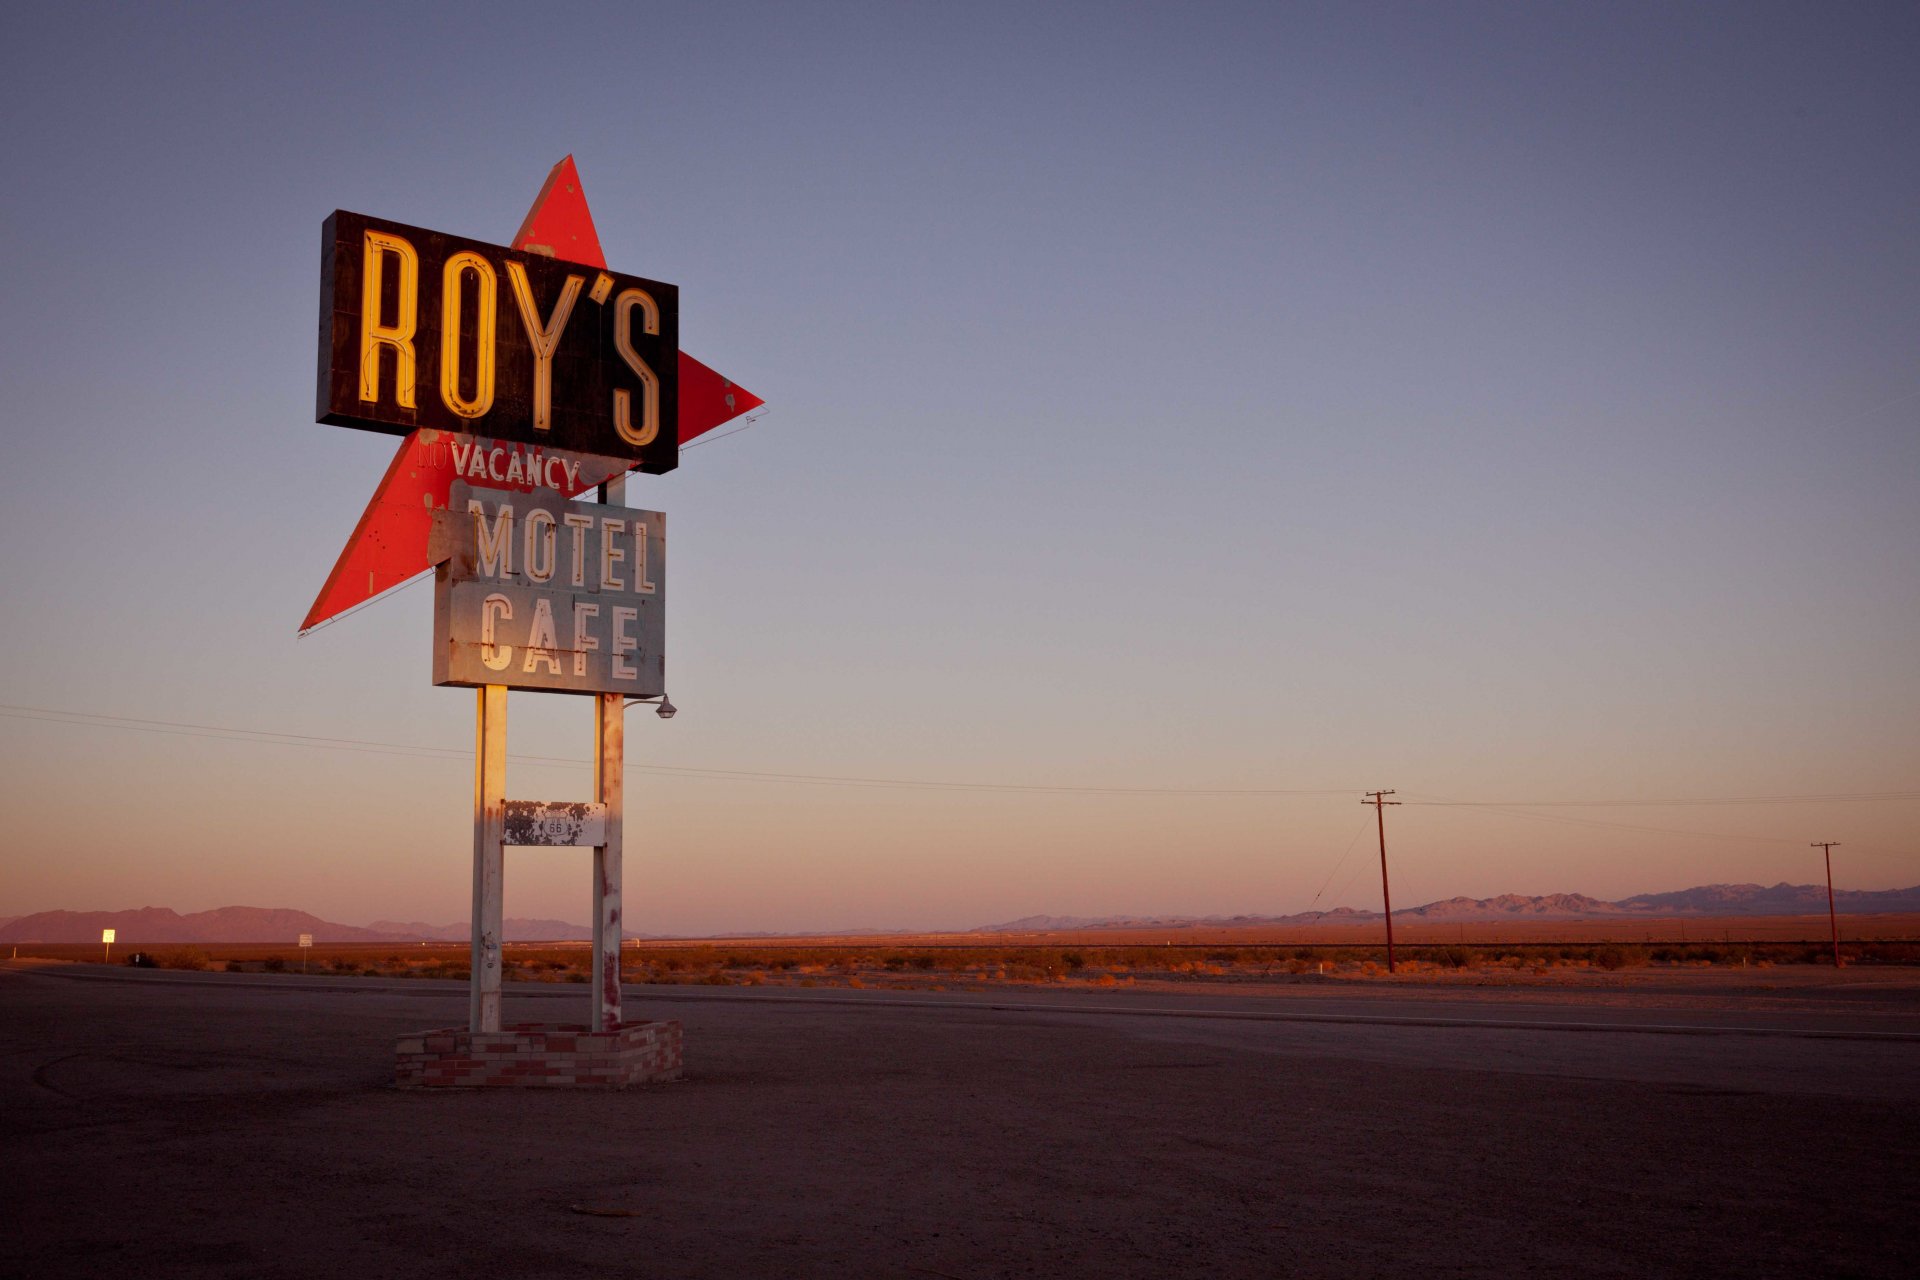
540	1055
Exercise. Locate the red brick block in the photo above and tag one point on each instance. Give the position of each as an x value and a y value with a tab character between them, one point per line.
540	1055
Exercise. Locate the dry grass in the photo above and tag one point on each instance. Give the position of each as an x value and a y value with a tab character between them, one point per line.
942	965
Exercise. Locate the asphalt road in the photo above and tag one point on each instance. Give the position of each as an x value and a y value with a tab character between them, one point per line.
169	1124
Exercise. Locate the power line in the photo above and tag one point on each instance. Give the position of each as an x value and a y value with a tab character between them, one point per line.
1516	809
750	420
1878	852
1515	812
1827	798
392	591
1338	863
420	751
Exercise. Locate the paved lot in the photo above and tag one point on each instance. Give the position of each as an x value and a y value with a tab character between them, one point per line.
163	1124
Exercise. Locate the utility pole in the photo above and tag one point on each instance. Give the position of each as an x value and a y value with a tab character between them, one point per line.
1833	922
1378	799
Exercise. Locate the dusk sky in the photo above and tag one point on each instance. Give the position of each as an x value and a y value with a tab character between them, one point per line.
1195	414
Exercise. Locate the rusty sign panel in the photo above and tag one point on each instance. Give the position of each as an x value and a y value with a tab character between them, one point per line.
556	824
424	330
533	591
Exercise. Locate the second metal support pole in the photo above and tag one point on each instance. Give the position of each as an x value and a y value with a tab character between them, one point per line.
489	856
609	760
609	775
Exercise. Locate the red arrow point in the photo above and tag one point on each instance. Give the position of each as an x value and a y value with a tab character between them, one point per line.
707	399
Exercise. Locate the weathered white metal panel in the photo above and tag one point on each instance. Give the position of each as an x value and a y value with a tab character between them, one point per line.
533	591
556	824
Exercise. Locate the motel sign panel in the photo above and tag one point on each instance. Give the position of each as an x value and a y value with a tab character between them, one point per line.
533	591
419	329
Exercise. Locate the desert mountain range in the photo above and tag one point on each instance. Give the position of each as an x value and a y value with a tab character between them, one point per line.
284	925
256	924
1781	899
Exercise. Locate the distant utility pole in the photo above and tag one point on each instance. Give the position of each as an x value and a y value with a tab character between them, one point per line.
1378	799
1833	922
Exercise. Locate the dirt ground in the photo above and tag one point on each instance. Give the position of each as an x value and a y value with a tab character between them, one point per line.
1718	1124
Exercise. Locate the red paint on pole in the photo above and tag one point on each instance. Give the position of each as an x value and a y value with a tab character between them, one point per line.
610	1000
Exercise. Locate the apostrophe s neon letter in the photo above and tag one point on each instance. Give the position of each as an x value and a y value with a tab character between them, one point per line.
399	335
650	382
487	297
544	338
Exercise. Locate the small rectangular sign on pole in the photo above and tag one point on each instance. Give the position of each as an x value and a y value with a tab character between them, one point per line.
306	944
557	825
106	940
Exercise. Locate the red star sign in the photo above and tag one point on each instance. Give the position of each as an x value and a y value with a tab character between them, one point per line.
389	545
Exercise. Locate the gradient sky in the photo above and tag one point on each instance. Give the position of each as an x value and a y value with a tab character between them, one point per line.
1495	403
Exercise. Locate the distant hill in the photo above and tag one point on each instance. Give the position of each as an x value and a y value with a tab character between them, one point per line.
162	924
253	924
1704	900
1551	906
1781	899
284	925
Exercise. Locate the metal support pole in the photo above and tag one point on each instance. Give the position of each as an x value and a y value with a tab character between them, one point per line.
609	776
489	855
1377	799
608	769
1833	921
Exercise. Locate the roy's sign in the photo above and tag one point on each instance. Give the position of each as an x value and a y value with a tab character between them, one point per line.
424	330
533	591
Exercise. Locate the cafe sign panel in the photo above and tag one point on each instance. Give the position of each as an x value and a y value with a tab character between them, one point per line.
533	591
